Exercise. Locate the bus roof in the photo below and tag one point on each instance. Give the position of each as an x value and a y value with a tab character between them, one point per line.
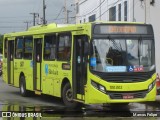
53	27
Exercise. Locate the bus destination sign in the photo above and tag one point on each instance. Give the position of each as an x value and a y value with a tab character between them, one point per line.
122	29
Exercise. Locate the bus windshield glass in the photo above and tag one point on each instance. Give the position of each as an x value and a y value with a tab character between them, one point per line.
122	55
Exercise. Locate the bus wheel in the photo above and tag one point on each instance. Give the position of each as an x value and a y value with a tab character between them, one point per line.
22	87
67	96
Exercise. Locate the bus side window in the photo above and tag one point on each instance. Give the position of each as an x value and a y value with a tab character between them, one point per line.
49	47
28	47
64	47
19	48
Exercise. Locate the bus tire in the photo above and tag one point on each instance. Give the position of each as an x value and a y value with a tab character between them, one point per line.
22	87
67	96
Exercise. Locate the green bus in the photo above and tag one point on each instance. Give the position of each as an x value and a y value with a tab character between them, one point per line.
91	63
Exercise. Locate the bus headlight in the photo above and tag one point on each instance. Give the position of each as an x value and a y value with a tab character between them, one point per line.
101	88
151	86
98	86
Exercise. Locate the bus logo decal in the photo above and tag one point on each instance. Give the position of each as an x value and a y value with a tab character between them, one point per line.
31	64
21	64
46	69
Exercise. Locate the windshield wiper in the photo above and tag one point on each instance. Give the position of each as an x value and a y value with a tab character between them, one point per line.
116	46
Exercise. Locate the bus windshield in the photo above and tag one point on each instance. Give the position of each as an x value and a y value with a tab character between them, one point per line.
122	55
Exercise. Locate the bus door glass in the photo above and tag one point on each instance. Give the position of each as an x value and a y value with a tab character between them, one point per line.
10	62
37	63
49	55
80	64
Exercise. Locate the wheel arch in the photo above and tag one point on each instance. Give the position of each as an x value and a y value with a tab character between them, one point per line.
21	74
64	81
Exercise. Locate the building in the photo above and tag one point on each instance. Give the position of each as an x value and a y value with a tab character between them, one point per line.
122	10
108	10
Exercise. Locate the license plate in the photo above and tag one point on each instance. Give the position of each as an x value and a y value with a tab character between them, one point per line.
128	96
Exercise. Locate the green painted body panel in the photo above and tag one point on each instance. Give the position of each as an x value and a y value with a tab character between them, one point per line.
12	78
38	77
4	69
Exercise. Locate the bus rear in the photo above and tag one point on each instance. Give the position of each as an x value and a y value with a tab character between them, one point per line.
122	64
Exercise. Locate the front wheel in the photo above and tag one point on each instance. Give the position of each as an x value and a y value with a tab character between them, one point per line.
22	87
67	96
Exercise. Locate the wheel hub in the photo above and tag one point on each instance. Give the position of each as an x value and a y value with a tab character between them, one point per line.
69	95
22	88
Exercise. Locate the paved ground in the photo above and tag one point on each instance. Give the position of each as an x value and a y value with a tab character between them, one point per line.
10	100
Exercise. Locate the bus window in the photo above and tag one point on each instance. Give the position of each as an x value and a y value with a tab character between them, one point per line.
19	48
64	47
146	53
28	47
5	49
49	47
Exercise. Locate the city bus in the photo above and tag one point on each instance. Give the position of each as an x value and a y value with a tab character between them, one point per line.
90	63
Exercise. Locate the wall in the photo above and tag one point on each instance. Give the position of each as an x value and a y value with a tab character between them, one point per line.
154	20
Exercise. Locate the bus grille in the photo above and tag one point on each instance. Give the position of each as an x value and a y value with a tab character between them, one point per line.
115	95
125	77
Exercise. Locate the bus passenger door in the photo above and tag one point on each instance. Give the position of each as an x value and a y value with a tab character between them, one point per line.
79	66
37	60
10	62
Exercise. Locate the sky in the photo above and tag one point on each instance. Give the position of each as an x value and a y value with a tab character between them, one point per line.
15	13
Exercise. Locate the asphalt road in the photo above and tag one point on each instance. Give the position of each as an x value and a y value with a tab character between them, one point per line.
51	107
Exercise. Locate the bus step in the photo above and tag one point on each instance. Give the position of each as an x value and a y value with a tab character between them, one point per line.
37	92
10	84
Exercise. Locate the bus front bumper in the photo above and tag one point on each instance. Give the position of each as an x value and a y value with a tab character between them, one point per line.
99	97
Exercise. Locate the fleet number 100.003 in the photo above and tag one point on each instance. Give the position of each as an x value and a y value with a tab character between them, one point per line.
115	87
